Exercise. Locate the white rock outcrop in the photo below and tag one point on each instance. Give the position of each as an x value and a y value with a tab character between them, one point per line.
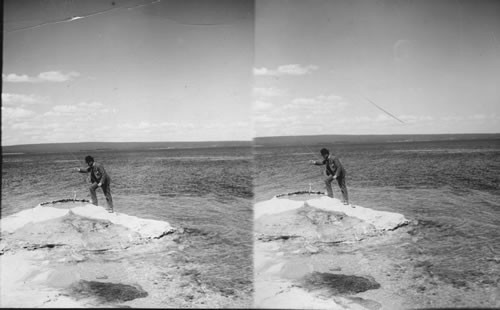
381	220
318	238
147	228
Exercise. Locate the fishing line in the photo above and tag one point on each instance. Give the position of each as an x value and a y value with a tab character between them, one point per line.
73	155
84	180
310	184
73	18
370	101
320	169
310	151
359	95
381	109
129	8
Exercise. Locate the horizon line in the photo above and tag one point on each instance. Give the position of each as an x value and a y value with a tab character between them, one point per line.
258	137
82	142
384	134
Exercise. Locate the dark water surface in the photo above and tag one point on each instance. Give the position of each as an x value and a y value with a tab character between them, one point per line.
449	189
206	191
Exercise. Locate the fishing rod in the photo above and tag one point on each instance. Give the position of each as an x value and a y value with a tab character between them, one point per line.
310	191
78	17
310	184
74	158
370	101
310	151
383	110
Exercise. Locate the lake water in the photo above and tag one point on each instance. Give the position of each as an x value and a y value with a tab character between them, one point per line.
207	191
449	189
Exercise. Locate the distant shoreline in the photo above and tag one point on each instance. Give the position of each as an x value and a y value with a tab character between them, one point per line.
115	146
257	142
395	138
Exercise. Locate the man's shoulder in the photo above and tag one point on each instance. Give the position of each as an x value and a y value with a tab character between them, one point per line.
334	160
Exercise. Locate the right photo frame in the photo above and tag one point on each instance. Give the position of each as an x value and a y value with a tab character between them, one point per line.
376	181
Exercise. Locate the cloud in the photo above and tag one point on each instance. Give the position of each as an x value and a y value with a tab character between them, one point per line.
296	69
474	117
23	126
382	118
64	109
321	102
264	119
300	117
82	108
49	76
452	118
21	99
93	104
262	105
263	71
404	49
225	125
56	76
12	114
15	78
181	131
160	127
302	101
292	69
143	125
416	118
268	92
39	129
302	112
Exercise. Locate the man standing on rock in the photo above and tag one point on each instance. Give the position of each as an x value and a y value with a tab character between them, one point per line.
98	178
334	170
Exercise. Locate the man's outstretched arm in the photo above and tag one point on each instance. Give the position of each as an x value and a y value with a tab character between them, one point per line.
83	170
317	163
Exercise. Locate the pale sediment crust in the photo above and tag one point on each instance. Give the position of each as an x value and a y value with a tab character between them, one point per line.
382	220
83	256
145	227
38	259
296	261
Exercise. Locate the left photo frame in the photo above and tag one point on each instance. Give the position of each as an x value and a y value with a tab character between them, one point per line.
127	154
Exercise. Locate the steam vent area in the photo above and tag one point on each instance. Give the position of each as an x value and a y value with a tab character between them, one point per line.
319	253
79	255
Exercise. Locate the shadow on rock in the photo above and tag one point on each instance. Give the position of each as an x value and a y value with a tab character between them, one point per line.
106	292
314	225
337	284
366	303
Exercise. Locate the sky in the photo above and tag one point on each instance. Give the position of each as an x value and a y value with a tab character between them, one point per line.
376	67
219	70
127	71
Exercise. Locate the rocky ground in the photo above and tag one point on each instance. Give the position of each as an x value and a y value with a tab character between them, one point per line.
306	256
321	254
77	261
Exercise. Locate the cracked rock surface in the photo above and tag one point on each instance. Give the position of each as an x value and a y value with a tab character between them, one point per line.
90	258
307	255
